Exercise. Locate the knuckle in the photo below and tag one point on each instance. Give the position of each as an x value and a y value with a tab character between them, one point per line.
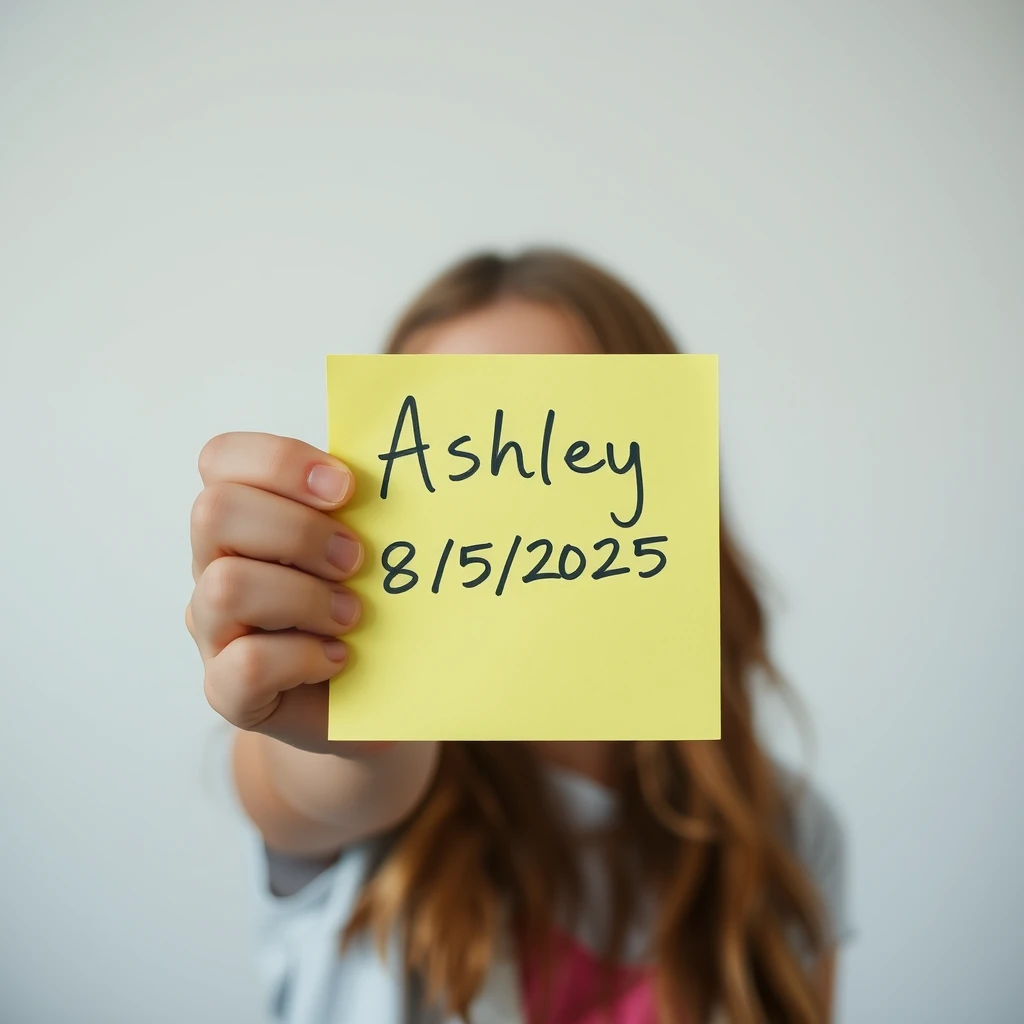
209	454
248	663
210	510
222	584
285	459
235	683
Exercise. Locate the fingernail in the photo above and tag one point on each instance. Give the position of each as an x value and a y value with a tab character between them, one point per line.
344	607
344	553
329	483
335	650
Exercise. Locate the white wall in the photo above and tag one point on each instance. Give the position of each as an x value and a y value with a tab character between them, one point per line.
197	202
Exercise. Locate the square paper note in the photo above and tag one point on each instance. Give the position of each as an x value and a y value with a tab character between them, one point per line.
541	541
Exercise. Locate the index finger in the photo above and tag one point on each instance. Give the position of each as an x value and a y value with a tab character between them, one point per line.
281	465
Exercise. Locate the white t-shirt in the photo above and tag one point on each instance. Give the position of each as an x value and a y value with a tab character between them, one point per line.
305	903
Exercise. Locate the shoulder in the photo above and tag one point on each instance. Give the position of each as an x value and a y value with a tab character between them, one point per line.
818	839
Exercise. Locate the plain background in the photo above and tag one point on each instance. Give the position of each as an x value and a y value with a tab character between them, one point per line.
198	201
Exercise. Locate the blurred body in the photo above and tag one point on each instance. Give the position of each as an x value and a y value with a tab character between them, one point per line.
707	830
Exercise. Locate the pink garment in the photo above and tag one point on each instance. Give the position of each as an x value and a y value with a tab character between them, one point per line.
576	990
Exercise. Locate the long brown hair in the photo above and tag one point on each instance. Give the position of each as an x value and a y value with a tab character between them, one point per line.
705	823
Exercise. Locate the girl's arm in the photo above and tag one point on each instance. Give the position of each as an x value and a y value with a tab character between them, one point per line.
315	804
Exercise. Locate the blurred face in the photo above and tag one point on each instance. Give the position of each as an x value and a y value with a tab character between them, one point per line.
508	327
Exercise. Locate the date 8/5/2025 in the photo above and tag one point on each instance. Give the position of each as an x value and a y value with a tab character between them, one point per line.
403	564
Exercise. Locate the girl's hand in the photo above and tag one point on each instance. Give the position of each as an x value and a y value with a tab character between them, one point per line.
269	564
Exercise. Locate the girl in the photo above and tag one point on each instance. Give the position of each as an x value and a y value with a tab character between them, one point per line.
549	883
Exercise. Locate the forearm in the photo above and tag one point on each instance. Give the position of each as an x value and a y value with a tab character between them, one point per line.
313	803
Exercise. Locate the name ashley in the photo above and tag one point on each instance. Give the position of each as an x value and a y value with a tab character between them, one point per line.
576	457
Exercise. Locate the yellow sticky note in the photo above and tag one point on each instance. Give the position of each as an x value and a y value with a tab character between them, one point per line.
541	541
